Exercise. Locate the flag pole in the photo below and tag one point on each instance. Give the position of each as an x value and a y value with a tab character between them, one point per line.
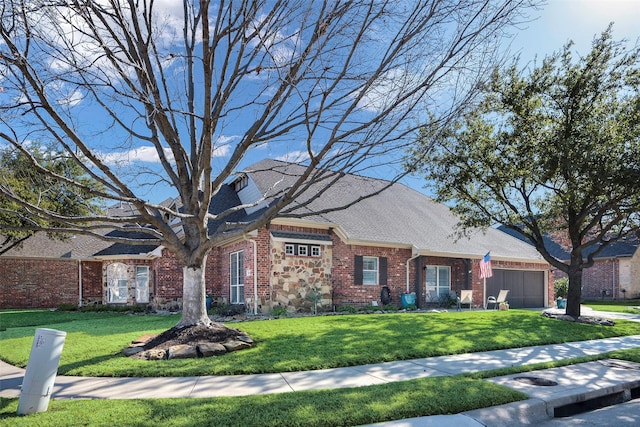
484	292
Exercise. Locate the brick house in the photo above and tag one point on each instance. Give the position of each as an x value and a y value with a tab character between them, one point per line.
615	268
309	257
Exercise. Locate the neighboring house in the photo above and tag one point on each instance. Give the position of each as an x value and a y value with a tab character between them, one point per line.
398	241
615	269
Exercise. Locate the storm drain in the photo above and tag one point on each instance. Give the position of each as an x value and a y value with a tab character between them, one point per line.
621	364
543	382
588	405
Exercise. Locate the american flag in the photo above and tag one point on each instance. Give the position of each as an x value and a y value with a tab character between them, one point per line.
485	266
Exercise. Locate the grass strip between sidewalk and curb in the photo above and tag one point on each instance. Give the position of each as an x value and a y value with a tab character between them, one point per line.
340	407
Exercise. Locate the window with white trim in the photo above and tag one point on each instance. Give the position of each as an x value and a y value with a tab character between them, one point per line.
117	279
315	251
369	270
289	249
438	279
142	284
236	277
302	250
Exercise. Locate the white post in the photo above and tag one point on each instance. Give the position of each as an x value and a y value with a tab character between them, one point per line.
42	368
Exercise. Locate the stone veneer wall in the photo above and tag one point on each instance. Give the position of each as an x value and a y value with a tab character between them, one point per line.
131	278
301	283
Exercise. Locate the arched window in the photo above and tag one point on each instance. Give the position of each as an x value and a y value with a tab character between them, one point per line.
117	279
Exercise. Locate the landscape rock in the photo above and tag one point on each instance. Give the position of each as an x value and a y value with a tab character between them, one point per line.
582	319
182	351
134	349
208	349
245	338
154	354
141	340
235	345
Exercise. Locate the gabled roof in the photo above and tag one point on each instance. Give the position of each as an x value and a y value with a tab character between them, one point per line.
398	216
80	246
624	248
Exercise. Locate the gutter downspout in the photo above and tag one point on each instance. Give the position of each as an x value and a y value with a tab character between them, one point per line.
613	278
255	276
79	283
417	254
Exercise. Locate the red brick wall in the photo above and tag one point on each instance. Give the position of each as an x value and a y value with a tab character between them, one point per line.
478	286
166	280
38	283
460	279
350	293
92	283
603	275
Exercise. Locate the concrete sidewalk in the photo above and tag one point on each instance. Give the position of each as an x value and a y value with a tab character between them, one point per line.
356	376
574	383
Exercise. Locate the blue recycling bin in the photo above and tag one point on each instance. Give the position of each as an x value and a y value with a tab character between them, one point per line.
562	303
408	299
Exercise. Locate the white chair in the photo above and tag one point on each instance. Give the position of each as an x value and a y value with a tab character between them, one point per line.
466	297
502	297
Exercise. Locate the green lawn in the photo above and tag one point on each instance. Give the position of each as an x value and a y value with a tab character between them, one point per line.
94	342
619	306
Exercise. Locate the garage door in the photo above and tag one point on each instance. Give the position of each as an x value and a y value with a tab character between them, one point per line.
526	288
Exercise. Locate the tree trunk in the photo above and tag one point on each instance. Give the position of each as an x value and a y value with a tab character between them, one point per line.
574	293
194	309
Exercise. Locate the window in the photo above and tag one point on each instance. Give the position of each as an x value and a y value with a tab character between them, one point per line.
241	183
301	249
117	279
438	279
142	284
237	278
369	270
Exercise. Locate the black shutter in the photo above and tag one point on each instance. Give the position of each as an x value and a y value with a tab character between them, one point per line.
357	270
382	271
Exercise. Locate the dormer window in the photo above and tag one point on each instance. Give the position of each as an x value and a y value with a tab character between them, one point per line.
241	183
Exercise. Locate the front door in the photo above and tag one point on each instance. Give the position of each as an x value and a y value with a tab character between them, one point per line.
438	279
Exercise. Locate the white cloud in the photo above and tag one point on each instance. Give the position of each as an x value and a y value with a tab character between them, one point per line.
388	88
72	99
297	156
149	154
143	154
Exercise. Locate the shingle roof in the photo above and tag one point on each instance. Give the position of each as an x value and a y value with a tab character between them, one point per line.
621	249
80	246
398	215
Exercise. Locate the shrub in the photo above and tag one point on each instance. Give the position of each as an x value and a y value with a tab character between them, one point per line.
561	288
391	307
411	307
347	309
278	311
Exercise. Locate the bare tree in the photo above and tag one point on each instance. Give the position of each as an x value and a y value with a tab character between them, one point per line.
206	85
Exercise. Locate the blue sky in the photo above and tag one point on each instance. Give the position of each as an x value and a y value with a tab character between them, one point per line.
563	20
551	27
578	20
